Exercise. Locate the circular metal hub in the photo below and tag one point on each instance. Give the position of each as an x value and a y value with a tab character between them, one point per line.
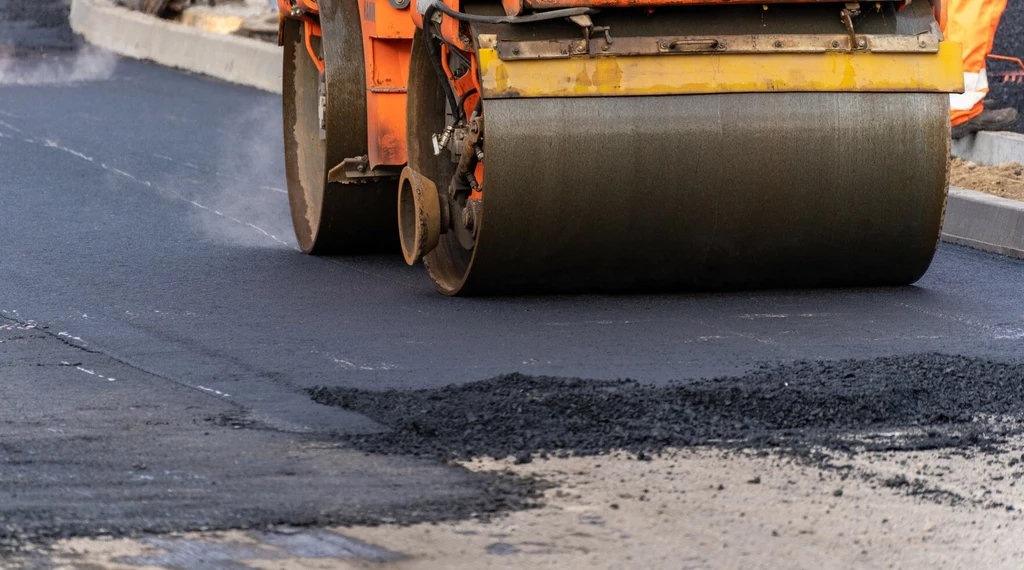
419	215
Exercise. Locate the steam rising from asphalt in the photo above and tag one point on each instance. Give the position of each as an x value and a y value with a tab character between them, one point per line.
245	184
86	64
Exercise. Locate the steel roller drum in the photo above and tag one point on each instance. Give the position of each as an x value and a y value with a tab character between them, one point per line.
331	217
705	192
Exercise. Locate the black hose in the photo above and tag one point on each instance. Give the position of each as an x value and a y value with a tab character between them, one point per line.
435	60
462	100
435	56
538	17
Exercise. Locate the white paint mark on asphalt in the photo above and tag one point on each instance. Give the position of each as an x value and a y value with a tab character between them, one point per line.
91	372
266	233
68	335
213	172
9	126
995	332
752	316
578	323
237	221
53	144
212	391
127	175
16	327
349	365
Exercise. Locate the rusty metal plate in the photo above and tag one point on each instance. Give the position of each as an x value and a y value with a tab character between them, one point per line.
724	44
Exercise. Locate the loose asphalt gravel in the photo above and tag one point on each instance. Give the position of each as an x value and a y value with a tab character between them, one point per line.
166	353
921	401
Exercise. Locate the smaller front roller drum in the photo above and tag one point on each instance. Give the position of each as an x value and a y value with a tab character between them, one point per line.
703	192
325	123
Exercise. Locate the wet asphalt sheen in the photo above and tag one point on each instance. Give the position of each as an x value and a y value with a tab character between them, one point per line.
159	331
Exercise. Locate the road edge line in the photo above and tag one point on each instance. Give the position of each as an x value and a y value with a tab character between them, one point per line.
984	222
132	34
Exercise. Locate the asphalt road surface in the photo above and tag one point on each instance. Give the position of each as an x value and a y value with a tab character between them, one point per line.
160	334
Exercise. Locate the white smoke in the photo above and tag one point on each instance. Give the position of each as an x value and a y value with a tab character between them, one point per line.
243	190
87	64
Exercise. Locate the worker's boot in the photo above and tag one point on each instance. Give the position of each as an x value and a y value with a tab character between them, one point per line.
991	119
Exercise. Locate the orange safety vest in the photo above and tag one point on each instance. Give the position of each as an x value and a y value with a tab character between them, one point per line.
973	24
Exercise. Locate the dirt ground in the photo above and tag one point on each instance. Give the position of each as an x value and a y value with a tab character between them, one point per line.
694	508
1005	180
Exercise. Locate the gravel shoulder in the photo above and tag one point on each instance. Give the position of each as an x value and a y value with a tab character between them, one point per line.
705	508
1005	180
693	508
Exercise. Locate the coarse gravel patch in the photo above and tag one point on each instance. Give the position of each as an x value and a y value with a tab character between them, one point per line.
925	401
1005	180
696	508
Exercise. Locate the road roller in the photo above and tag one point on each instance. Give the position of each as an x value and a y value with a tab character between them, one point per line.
527	146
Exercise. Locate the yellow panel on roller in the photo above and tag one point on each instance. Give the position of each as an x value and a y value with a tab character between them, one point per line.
939	72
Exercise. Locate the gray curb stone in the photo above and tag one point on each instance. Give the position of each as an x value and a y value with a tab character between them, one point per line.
990	148
132	34
985	222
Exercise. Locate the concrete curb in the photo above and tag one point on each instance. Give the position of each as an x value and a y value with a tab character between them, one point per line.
984	222
990	148
136	35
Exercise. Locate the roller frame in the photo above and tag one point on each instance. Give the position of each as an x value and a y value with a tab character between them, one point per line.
573	204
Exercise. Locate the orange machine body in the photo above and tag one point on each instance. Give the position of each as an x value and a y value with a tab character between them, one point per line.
387	41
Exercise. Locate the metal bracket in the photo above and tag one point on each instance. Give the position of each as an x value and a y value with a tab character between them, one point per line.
846	15
321	107
758	44
357	169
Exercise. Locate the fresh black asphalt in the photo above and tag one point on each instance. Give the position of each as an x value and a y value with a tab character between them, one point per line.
160	334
